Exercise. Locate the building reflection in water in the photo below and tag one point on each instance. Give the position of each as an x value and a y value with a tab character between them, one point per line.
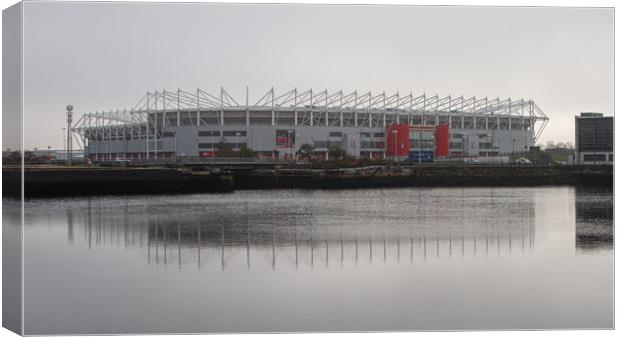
594	223
301	239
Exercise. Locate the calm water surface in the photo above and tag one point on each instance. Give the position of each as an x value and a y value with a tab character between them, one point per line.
385	259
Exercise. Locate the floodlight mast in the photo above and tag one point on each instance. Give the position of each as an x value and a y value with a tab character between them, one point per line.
69	143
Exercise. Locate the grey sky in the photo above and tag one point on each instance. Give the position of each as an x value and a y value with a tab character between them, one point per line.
107	55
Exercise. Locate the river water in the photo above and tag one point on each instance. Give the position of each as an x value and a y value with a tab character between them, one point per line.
293	260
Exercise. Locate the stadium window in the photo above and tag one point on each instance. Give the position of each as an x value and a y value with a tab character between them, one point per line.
320	144
239	133
455	145
208	133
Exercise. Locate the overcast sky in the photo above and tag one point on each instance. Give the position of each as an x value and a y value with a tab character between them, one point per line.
107	55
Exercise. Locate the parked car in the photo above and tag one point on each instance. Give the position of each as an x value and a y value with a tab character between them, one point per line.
522	161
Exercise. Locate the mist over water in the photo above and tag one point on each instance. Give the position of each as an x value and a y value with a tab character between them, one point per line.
293	260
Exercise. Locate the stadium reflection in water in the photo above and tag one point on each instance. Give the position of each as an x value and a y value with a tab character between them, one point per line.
197	239
292	260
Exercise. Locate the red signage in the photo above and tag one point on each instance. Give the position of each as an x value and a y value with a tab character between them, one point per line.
397	137
208	154
442	141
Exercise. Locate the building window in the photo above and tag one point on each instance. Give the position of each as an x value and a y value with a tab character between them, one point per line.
365	134
235	146
594	157
320	144
208	133
422	144
378	134
334	144
594	133
335	134
168	134
455	145
611	157
372	145
235	133
484	145
232	146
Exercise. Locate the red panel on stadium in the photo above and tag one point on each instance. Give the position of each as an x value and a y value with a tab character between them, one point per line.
442	140
397	136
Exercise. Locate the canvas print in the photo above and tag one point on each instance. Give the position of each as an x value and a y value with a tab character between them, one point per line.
173	168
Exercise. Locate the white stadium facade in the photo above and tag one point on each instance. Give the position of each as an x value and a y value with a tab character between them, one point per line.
168	124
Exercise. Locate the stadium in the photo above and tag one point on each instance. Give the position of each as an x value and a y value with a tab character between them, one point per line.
170	124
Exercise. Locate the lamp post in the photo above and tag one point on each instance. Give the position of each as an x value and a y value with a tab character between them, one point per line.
489	146
290	144
212	145
463	150
372	145
64	140
176	157
594	134
492	146
420	149
237	134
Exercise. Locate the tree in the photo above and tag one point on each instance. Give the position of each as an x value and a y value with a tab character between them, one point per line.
559	145
305	151
550	145
542	157
13	157
336	153
224	149
245	152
